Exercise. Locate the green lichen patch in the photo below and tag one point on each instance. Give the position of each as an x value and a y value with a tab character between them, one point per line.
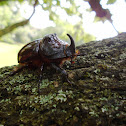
82	103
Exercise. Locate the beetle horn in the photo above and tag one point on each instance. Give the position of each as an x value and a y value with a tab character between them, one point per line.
72	45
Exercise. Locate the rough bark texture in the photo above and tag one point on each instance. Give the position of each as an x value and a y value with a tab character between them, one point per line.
96	98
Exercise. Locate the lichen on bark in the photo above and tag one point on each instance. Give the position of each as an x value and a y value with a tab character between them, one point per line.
96	97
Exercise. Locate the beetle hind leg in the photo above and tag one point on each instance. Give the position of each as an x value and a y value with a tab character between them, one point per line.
16	70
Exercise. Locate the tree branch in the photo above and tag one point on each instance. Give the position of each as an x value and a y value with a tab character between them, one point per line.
10	28
36	2
96	97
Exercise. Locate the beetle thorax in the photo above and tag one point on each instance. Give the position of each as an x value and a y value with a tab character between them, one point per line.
54	40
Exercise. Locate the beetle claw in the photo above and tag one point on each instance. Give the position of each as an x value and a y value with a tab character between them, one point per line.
69	82
39	91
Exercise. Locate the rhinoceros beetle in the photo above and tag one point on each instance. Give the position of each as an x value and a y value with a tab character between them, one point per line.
49	50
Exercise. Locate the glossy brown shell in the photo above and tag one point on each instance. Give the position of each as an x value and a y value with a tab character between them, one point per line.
46	50
28	52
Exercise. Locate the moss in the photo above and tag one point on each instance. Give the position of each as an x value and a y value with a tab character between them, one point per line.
95	97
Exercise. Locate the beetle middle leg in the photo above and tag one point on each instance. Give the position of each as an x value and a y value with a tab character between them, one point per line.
40	77
62	71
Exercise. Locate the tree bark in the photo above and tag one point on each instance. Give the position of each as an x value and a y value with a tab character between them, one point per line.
97	96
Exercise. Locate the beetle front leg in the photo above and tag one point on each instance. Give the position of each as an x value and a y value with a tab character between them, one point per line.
40	77
62	71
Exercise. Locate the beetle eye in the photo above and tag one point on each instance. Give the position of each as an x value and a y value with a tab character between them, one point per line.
49	39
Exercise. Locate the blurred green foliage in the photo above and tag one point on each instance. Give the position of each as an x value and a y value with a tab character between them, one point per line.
111	1
11	10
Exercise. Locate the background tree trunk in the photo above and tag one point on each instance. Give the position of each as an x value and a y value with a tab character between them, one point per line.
97	96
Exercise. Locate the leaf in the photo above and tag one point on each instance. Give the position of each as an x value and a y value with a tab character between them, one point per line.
111	1
3	3
58	3
96	19
20	1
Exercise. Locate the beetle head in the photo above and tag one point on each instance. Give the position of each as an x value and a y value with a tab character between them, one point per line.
55	48
54	40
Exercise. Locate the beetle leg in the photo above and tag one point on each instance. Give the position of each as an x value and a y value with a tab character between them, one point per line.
62	71
18	69
40	77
